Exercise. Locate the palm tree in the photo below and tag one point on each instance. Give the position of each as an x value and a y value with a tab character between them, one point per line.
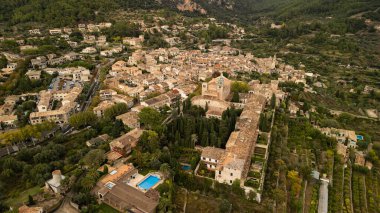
165	170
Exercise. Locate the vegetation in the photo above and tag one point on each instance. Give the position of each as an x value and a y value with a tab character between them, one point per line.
192	129
83	119
26	133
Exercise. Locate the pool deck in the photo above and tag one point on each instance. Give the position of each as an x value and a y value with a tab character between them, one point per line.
139	178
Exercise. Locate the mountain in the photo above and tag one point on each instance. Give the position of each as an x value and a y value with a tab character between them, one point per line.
66	12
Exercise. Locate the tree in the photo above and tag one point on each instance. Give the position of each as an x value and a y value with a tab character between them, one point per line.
124	29
31	201
273	101
149	141
150	118
3	61
239	87
236	189
89	180
94	158
76	36
165	170
115	110
235	97
83	119
118	127
3	207
224	206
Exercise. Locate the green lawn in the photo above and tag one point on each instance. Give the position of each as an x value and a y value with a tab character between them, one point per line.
23	196
104	208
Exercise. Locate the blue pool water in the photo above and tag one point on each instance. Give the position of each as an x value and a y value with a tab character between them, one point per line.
186	167
359	137
149	182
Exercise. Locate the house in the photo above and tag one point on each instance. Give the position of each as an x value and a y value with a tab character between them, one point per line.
35	32
344	136
33	74
71	73
89	50
8	121
102	107
125	143
27	209
359	159
116	189
39	62
134	42
89	39
230	169
55	31
82	27
67	30
293	109
107	94
54	184
342	149
130	119
211	156
113	156
60	115
104	25
73	44
166	99
98	140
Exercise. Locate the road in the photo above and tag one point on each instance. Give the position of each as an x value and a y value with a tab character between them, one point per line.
323	196
95	84
65	205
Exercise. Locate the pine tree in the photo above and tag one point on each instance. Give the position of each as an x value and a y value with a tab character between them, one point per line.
235	97
273	101
31	201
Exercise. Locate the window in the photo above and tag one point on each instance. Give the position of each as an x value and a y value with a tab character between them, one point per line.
232	174
231	181
220	172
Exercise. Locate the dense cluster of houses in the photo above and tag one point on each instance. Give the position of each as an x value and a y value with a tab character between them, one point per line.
153	78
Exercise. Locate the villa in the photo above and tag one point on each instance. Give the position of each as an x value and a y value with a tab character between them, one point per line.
234	162
342	136
125	189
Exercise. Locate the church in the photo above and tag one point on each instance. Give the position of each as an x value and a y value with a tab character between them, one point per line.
214	95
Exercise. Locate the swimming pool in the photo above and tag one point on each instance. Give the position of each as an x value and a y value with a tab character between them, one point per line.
186	167
360	137
148	182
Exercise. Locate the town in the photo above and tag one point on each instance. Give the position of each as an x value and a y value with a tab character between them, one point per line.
146	116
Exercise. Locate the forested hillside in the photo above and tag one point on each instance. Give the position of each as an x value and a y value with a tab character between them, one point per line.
64	12
288	9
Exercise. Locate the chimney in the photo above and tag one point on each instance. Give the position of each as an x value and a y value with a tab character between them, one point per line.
57	176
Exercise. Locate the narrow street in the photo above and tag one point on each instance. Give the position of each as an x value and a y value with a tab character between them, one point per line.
65	206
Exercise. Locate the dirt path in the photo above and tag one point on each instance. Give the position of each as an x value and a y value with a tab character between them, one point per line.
365	194
184	205
66	207
342	198
304	196
352	205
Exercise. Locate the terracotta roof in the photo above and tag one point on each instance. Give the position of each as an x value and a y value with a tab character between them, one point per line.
130	198
116	174
212	152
